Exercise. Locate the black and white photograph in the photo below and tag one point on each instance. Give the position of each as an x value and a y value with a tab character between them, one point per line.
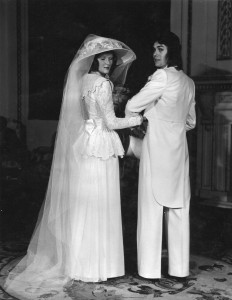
115	149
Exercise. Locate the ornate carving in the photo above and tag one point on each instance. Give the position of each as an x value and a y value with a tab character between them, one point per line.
214	147
224	43
213	84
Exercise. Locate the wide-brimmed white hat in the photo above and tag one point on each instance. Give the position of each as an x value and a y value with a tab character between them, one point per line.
94	44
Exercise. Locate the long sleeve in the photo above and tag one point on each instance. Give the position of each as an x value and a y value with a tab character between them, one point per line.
104	100
148	94
191	118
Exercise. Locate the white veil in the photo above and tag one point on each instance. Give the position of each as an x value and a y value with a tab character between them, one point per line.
47	262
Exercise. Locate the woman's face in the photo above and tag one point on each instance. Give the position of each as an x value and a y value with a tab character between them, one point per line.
105	62
160	55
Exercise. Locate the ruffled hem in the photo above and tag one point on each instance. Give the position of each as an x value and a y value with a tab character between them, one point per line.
101	143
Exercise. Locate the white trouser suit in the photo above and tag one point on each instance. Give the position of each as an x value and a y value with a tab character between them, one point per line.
149	232
169	104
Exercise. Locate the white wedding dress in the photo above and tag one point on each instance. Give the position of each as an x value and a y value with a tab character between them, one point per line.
99	254
79	236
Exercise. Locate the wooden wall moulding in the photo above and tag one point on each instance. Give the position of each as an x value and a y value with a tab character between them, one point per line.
213	83
214	144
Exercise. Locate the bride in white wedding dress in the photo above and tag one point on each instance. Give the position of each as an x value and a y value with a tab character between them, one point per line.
78	235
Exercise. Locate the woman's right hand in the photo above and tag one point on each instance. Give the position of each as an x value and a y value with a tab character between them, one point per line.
136	120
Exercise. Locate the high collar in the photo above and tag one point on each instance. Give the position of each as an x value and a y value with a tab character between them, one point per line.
98	73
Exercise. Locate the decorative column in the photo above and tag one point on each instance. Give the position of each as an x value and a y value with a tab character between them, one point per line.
22	67
14	59
181	24
8	59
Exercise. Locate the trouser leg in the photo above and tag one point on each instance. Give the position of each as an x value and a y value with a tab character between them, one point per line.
150	221
177	222
149	238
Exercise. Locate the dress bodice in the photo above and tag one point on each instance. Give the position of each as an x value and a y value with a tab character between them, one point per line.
98	103
99	138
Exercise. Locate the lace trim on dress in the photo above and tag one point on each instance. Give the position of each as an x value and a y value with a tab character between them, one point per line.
97	140
92	82
98	137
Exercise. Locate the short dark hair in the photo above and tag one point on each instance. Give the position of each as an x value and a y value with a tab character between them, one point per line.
172	42
95	64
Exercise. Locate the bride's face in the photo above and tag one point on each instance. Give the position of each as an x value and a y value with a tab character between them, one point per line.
105	62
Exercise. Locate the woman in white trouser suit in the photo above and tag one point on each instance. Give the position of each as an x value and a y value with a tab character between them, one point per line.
168	99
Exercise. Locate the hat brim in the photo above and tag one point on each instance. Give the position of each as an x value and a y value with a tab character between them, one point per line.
124	56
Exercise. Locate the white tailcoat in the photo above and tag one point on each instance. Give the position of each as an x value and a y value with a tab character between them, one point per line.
168	99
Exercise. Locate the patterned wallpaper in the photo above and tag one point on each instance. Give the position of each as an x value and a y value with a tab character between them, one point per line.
224	43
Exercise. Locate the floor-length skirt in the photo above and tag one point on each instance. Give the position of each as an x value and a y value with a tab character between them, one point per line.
97	241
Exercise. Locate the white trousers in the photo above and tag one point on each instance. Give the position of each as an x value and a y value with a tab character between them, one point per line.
150	231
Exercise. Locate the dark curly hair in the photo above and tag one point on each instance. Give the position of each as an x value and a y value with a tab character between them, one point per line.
172	42
95	64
